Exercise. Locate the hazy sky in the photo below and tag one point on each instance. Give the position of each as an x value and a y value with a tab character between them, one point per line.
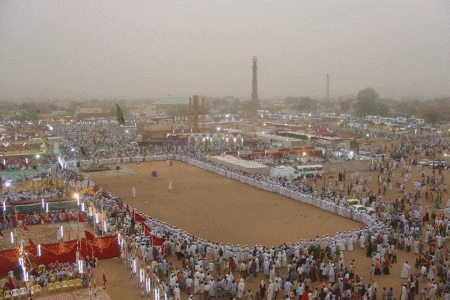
153	48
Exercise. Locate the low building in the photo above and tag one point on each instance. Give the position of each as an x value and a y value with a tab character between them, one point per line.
240	164
171	104
90	112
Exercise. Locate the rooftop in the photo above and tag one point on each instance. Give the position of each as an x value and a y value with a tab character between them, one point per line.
172	101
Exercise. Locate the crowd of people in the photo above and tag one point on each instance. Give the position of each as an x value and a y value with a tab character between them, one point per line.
308	269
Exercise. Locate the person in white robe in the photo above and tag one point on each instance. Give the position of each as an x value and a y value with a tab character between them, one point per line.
240	290
331	274
433	288
404	293
362	240
284	260
405	270
270	290
431	272
350	244
196	285
416	246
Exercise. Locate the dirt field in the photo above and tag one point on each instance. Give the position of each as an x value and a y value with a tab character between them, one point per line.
219	209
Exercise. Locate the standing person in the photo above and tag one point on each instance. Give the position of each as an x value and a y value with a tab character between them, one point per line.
372	272
240	291
189	285
271	290
390	294
287	288
133	192
262	289
404	293
177	292
249	295
405	270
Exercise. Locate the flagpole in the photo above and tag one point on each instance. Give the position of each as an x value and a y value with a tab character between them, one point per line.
68	230
78	229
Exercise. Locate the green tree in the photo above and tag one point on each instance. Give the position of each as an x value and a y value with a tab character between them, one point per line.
431	116
305	104
345	105
368	104
235	106
368	94
249	108
408	106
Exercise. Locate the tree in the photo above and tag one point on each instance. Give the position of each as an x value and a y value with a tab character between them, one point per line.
368	104
408	106
431	116
345	105
368	94
249	107
305	104
235	107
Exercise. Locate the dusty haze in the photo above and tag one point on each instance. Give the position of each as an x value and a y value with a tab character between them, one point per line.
155	48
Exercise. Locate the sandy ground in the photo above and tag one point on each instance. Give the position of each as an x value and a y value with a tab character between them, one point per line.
220	209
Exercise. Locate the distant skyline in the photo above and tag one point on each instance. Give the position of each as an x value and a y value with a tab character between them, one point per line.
151	49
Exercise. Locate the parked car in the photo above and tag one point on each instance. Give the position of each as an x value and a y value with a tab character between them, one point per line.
362	208
438	164
398	156
353	202
424	162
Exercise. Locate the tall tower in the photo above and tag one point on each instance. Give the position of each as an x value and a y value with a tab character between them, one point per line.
328	87
255	86
195	112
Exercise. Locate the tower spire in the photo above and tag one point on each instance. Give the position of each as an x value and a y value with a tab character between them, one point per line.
255	85
328	87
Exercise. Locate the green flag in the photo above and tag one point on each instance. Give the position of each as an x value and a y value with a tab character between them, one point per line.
119	115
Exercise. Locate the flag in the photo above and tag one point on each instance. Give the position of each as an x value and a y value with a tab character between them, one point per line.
89	236
119	115
32	244
25	226
138	217
157	242
104	278
147	230
81	219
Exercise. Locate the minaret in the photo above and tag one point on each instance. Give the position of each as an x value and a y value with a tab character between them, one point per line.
255	86
328	87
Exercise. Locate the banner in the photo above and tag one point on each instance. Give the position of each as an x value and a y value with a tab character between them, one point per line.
147	229
157	242
89	236
101	248
138	217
